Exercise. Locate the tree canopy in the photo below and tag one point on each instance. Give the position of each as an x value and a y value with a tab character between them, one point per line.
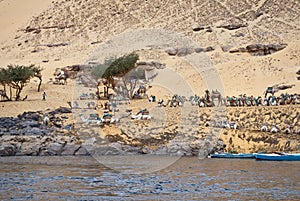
116	67
121	66
17	76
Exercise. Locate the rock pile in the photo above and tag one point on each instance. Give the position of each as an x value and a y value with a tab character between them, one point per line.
260	49
32	145
183	51
27	134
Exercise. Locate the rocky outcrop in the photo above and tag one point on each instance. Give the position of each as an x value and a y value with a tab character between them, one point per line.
31	123
201	134
32	145
149	64
183	51
260	49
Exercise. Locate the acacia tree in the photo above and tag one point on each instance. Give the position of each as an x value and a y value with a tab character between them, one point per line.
98	72
120	69
17	77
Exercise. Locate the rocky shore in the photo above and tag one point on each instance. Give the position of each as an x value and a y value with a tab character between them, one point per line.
27	134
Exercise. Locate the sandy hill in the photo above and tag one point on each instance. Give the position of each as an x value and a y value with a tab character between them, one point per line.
64	32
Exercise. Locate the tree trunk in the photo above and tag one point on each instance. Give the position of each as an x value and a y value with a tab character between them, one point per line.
10	93
40	83
18	92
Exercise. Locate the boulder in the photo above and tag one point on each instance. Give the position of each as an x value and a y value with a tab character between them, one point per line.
70	149
82	152
172	52
52	149
7	150
34	131
183	51
199	49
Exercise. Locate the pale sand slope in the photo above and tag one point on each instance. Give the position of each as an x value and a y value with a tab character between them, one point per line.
95	21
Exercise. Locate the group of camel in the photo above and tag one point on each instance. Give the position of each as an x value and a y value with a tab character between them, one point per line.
214	98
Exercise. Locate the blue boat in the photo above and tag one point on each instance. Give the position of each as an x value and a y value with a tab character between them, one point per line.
278	157
237	156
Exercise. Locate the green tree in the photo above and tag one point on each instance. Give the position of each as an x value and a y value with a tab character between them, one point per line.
98	72
118	68
17	77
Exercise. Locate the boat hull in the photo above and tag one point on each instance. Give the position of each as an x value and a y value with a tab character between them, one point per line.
234	156
278	157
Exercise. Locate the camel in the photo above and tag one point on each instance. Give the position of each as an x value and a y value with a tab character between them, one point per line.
274	129
295	99
142	114
233	101
92	119
46	120
228	125
201	102
142	90
60	77
287	129
272	100
194	100
3	94
258	101
177	100
109	119
207	99
264	128
270	90
216	95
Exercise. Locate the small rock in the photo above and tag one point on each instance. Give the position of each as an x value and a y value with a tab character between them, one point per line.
34	131
197	27
171	52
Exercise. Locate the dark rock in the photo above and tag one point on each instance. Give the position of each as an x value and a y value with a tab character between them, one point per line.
7	150
34	131
30	115
82	152
51	149
232	26
37	31
171	52
239	35
226	48
209	29
199	49
260	49
183	51
209	49
61	110
197	27
70	149
298	72
30	123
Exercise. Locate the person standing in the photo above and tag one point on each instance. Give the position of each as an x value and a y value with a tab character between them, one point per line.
44	96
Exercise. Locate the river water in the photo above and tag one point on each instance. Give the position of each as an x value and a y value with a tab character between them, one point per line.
189	178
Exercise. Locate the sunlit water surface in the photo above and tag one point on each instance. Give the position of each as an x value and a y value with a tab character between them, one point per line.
84	178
